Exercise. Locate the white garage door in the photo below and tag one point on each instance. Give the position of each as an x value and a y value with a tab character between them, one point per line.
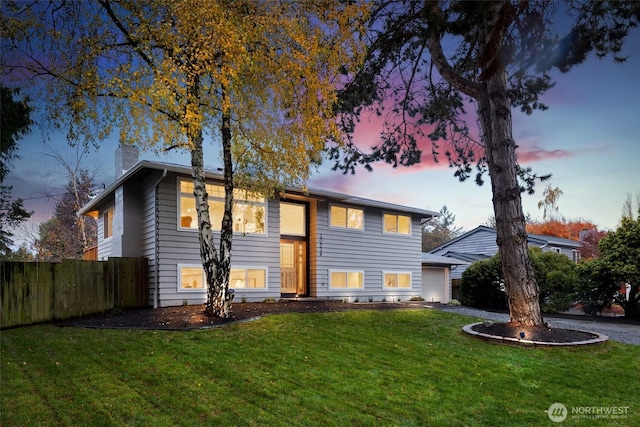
435	284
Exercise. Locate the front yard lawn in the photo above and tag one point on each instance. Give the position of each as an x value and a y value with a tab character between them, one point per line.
382	368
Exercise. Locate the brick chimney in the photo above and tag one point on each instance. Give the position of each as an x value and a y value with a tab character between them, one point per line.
126	157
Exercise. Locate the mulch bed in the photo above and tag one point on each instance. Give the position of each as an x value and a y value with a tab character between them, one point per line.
193	317
533	333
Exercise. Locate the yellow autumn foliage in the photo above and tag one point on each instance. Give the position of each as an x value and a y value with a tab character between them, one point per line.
157	69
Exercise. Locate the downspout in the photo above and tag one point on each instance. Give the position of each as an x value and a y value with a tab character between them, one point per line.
157	240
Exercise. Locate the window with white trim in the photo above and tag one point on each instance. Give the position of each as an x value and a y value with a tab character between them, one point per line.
346	279
556	250
576	255
192	278
397	224
397	280
344	217
107	223
249	209
248	278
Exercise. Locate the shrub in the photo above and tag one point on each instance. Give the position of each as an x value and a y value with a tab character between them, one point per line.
557	280
482	286
596	286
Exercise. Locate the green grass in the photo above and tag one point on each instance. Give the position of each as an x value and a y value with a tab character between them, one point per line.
391	368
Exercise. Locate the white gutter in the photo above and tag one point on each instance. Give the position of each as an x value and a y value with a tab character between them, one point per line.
157	240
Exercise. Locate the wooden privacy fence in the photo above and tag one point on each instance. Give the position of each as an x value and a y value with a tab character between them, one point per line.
34	292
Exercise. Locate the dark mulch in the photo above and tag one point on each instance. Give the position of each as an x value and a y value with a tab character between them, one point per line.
533	333
193	317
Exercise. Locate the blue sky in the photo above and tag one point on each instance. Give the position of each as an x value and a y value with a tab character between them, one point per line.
589	139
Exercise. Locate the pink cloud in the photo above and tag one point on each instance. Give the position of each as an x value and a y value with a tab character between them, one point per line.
337	181
536	153
368	134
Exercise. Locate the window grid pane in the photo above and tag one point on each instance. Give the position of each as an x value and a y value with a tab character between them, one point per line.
404	224
355	218
390	223
338	279
390	280
404	280
338	216
354	280
191	278
400	224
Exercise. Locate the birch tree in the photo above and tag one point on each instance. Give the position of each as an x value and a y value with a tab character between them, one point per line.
260	77
428	62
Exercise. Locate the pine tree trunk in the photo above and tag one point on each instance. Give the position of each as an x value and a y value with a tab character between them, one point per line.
494	110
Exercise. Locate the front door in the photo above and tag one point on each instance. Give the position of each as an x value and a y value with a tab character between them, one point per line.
293	267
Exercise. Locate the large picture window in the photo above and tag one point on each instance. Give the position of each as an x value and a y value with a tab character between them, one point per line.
398	224
397	280
347	217
191	278
249	210
346	279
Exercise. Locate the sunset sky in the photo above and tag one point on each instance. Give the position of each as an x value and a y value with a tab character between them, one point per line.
589	139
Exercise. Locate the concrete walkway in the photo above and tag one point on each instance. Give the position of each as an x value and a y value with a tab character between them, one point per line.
621	332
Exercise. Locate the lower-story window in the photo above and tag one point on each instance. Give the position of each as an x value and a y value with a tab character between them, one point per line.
346	279
191	278
248	278
397	280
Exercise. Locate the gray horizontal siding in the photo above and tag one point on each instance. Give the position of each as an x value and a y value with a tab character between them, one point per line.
104	245
183	247
371	251
481	242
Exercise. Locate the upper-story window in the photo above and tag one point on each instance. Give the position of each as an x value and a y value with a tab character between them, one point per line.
293	219
399	224
107	223
347	217
249	210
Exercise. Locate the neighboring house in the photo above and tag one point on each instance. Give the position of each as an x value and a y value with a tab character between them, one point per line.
480	243
312	243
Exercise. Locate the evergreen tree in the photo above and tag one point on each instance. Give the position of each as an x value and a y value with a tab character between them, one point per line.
15	123
67	235
428	61
439	230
